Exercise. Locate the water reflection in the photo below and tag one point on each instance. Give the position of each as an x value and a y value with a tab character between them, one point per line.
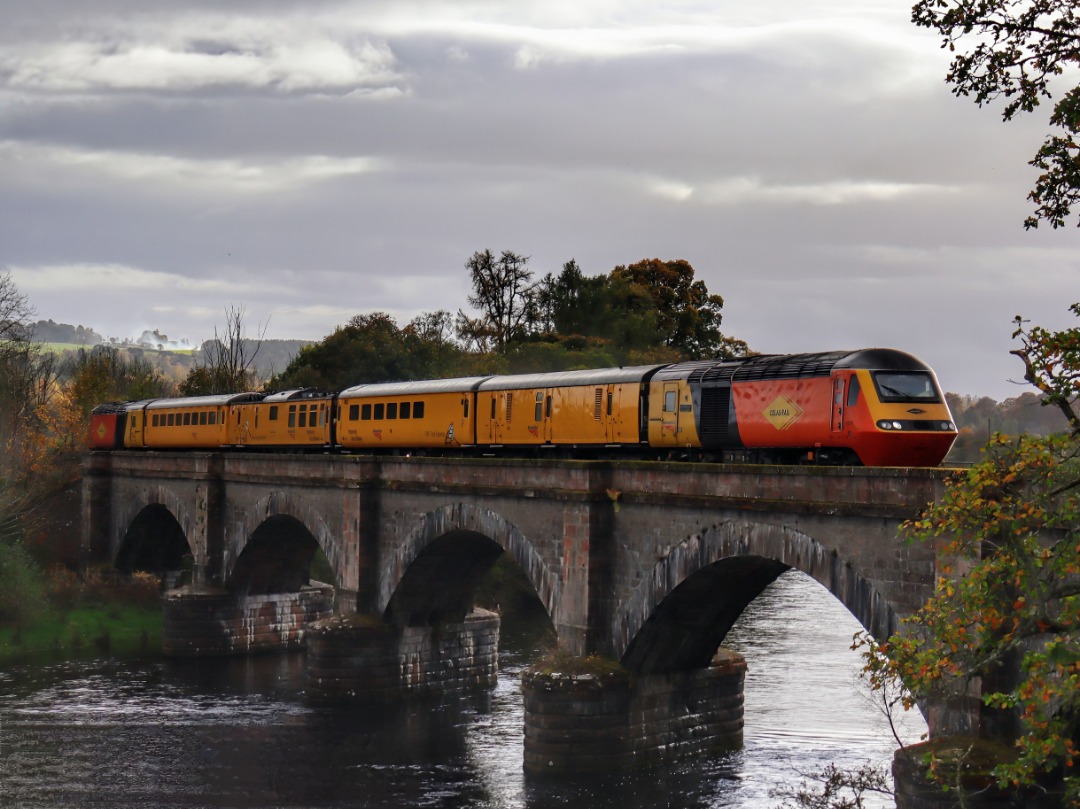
214	733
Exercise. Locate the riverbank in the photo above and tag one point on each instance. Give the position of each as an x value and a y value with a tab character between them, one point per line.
99	612
102	628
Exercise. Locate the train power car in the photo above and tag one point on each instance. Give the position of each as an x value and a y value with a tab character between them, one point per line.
874	407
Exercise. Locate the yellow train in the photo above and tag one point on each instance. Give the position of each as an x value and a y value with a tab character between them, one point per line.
873	407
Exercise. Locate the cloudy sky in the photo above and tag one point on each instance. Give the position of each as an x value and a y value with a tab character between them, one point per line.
162	161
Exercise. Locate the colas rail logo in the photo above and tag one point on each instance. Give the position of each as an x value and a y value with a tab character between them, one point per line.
782	412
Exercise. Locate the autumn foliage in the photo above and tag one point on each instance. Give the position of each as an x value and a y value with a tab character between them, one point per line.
1004	620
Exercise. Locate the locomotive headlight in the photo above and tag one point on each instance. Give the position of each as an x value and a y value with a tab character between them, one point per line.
947	425
885	425
897	425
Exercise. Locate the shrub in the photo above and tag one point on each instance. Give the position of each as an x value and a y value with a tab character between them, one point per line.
22	594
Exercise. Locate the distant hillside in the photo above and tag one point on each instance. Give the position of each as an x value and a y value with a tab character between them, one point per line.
174	358
268	357
48	332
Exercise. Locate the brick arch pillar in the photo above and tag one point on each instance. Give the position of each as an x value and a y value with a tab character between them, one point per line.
285	504
782	544
466	517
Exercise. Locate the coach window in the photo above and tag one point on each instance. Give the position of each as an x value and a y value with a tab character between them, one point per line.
212	419
203	417
303	415
853	392
273	412
538	411
391	410
547	404
365	412
493	407
187	419
406	410
292	416
669	401
354	412
417	410
380	410
610	396
154	420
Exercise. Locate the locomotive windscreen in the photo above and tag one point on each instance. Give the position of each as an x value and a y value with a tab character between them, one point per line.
909	386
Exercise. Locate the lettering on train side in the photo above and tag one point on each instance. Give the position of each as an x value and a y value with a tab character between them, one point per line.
782	412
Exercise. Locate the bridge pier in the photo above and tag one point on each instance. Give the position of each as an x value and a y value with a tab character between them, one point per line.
602	721
362	657
200	622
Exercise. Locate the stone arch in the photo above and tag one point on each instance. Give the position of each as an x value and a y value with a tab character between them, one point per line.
143	499
468	522
278	504
728	551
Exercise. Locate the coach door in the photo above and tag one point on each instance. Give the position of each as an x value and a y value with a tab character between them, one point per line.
839	392
670	414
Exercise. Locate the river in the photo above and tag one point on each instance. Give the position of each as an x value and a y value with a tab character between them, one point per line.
107	732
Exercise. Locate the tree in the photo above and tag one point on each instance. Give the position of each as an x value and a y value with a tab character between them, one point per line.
505	297
688	316
1052	364
103	374
1008	613
1018	50
1011	619
372	348
226	362
27	375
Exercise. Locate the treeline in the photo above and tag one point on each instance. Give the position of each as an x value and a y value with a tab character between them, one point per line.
979	418
647	312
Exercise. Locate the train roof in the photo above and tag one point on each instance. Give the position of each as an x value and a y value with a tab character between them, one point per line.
215	400
568	379
791	366
296	394
120	407
456	385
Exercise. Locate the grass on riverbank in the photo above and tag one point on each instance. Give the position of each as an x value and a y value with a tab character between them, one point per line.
101	612
112	628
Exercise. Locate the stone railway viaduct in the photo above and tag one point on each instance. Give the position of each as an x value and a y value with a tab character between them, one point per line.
646	563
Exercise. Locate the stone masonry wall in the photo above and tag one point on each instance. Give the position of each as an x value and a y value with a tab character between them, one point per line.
219	623
360	657
578	723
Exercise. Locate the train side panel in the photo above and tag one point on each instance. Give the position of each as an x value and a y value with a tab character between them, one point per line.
515	417
301	424
185	427
595	414
106	429
783	413
425	421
